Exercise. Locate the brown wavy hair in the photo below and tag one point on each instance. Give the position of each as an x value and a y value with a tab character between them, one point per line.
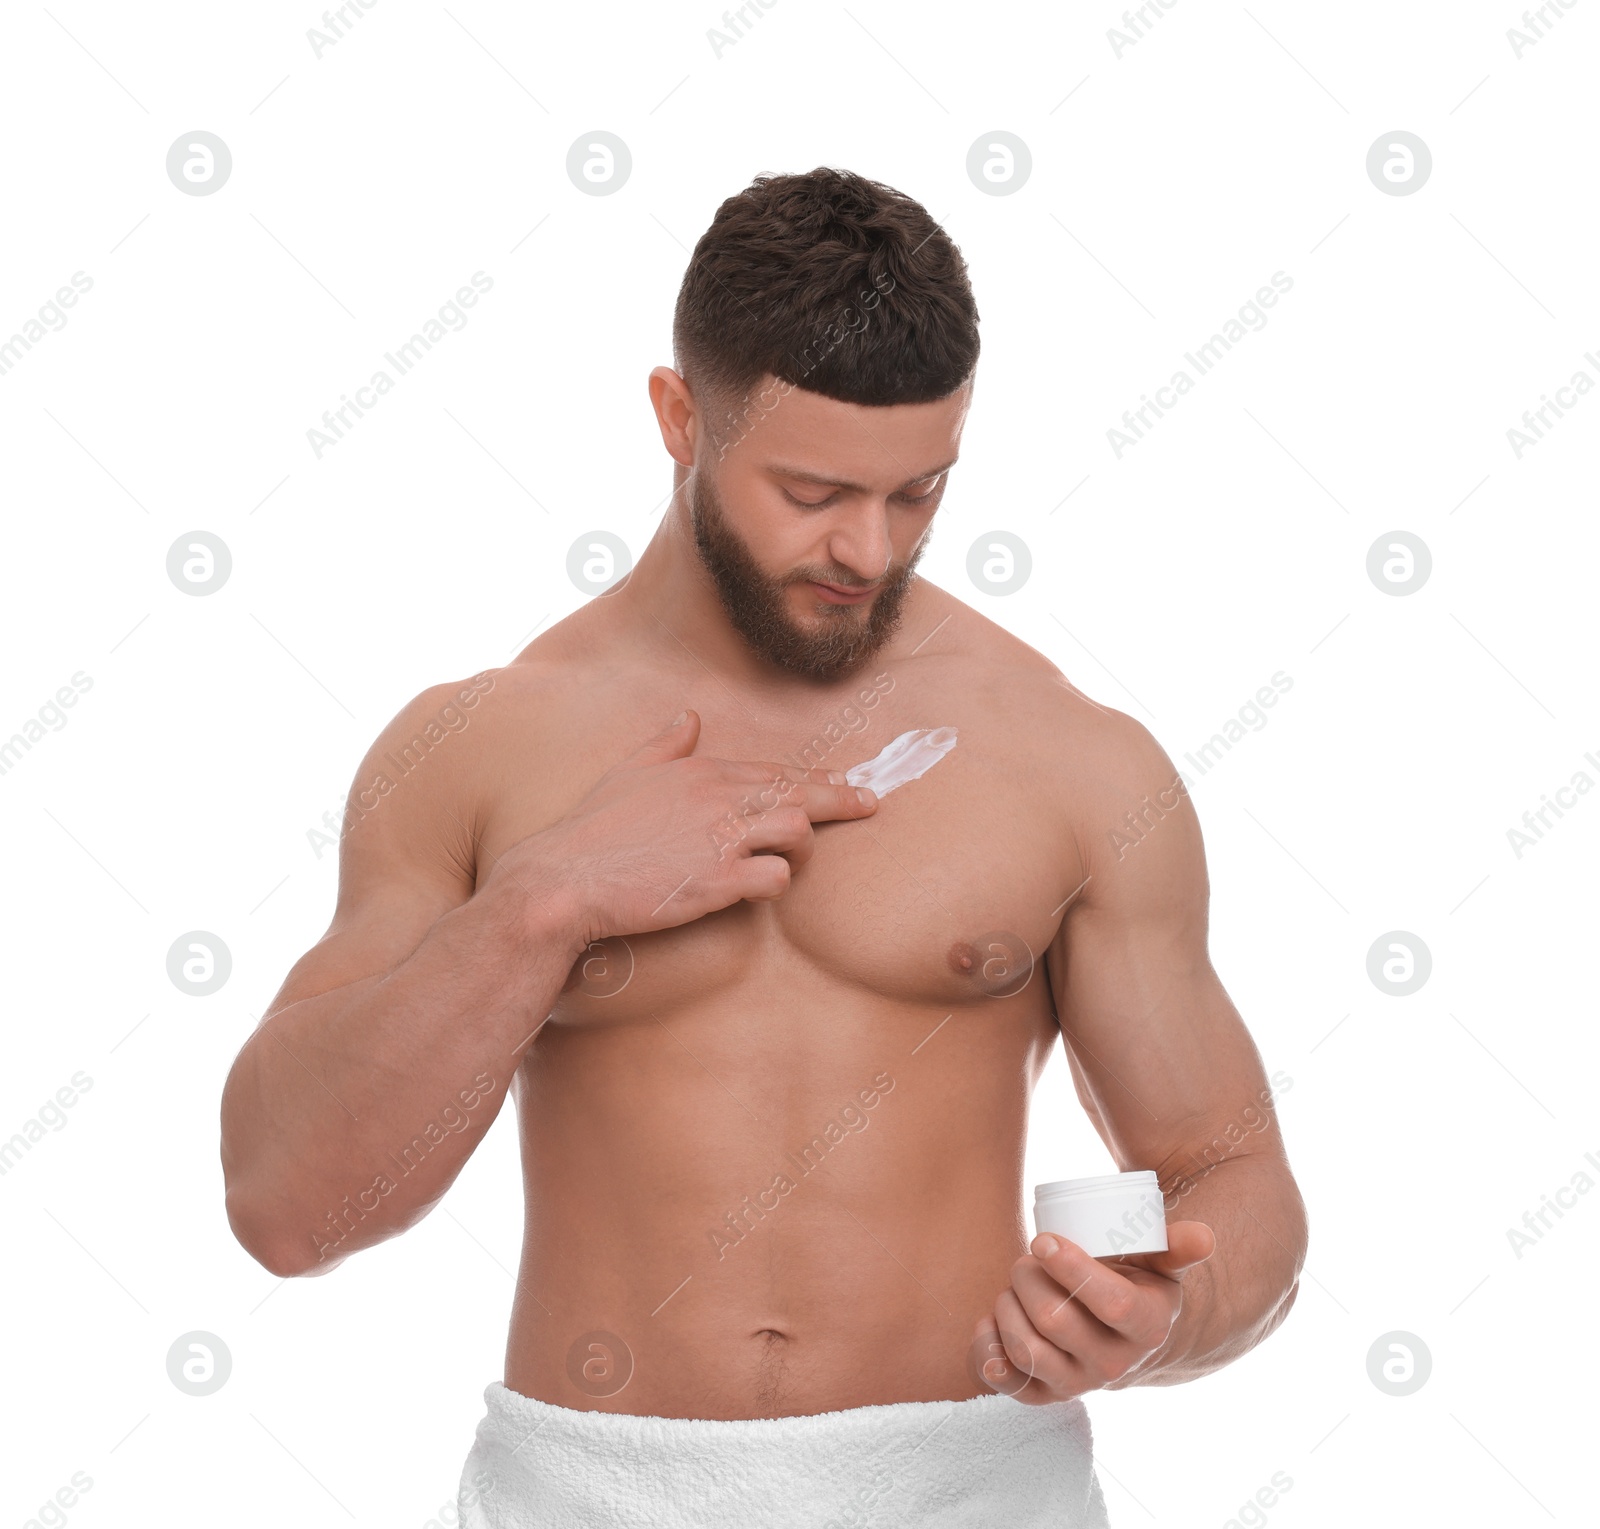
827	281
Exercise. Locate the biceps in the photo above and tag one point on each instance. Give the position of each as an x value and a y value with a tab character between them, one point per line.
397	877
1157	1042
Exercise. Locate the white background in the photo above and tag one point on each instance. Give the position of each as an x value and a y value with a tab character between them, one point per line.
1168	184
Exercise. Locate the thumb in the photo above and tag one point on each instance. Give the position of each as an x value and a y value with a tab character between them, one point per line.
675	741
1188	1243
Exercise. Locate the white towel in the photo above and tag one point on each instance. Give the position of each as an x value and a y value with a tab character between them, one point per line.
979	1464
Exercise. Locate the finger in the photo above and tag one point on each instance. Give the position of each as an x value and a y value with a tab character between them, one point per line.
761	878
675	741
1067	1323
989	1358
783	831
1188	1243
822	800
825	804
991	1361
1052	1374
1106	1294
767	770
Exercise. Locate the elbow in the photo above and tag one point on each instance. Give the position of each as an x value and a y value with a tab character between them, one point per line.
1278	1313
1295	1243
260	1216
1300	1226
266	1240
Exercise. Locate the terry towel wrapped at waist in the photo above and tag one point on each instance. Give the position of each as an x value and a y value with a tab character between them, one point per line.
934	1465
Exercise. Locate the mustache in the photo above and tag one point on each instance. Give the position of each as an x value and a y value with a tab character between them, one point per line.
845	581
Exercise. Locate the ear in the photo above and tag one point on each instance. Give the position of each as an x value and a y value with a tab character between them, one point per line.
676	414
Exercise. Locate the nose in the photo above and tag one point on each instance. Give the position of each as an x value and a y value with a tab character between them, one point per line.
862	544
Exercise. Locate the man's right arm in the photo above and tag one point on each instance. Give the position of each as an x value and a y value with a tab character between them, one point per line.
349	1112
389	1050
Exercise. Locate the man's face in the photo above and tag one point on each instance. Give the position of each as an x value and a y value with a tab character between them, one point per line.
811	516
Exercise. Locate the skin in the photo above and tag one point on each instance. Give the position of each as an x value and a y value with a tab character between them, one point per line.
689	955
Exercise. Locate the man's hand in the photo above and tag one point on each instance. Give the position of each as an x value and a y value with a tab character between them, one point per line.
1071	1323
667	836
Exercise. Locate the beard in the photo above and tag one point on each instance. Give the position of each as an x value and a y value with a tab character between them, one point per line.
846	637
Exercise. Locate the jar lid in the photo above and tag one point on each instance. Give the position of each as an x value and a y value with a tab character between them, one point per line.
1141	1178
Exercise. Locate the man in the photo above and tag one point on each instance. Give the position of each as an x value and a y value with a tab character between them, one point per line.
772	1038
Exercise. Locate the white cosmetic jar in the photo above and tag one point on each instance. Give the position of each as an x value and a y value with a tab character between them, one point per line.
1107	1216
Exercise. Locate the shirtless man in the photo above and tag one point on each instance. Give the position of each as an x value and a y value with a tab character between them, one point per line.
772	1039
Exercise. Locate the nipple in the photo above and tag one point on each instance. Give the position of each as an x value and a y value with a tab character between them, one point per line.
999	963
963	957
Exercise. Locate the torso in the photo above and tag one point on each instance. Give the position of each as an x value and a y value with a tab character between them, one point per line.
773	1158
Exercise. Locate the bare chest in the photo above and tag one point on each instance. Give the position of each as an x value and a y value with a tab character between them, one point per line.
947	896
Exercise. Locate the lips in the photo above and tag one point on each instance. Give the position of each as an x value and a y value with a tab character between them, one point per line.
834	595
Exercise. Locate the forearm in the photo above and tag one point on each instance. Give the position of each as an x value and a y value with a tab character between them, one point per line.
347	1115
1244	1290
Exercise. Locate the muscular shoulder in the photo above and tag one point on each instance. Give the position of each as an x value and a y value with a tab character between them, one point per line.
410	801
460	736
948	644
421	731
963	648
1098	763
426	785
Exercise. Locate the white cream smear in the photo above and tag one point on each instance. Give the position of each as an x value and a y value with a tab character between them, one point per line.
910	755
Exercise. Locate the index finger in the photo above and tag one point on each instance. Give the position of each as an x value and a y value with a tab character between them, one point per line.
825	795
1101	1291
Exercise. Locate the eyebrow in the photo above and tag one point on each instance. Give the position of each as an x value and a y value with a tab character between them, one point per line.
801	475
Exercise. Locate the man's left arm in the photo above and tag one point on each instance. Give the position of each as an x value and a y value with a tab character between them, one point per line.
1169	1076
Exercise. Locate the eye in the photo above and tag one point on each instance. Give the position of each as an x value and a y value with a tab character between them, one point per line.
817	504
809	504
